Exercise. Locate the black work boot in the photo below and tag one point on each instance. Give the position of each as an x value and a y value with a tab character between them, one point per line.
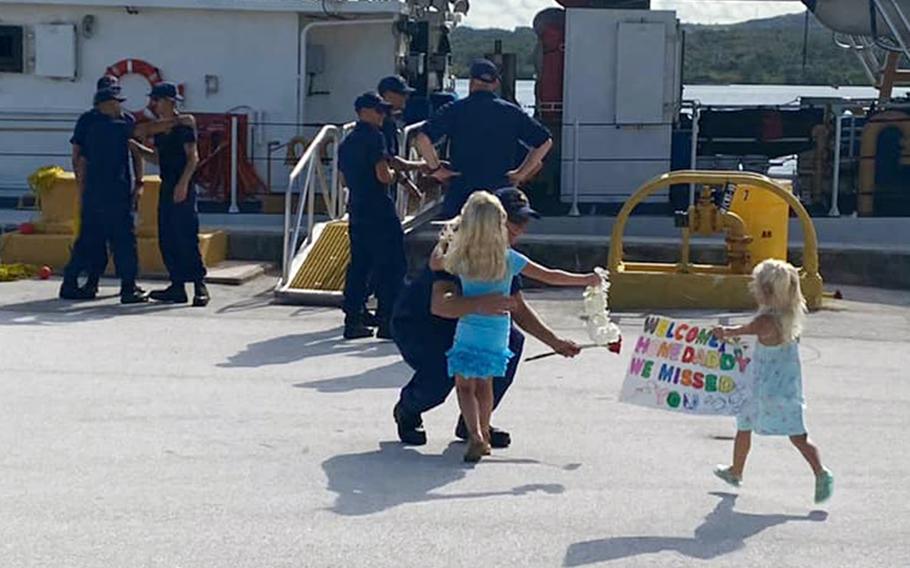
410	427
132	294
91	285
354	328
370	319
499	439
385	329
70	291
200	295
173	294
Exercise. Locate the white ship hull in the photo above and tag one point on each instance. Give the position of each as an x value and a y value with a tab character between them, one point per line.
226	60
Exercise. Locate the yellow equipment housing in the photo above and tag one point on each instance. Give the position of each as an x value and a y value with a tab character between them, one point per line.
57	227
755	229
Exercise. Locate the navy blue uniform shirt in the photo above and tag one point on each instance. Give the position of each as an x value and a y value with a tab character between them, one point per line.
104	141
414	301
484	133
82	124
369	200
390	133
172	153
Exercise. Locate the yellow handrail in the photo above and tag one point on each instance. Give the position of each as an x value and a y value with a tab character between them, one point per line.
685	177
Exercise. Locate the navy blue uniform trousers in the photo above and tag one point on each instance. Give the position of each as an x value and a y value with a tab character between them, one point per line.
424	348
377	261
178	237
98	228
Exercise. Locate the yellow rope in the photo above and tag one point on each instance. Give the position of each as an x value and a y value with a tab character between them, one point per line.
10	272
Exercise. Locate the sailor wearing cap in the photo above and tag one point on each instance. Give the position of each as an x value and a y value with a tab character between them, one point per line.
377	241
395	91
98	263
107	177
424	323
484	134
178	221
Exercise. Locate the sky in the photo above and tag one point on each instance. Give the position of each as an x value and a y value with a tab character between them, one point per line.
510	13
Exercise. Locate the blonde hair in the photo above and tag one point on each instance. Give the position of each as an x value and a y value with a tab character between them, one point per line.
775	285
477	240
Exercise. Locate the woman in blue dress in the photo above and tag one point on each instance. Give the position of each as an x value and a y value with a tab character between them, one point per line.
776	406
475	247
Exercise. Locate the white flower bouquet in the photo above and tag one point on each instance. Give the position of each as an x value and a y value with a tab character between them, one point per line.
601	331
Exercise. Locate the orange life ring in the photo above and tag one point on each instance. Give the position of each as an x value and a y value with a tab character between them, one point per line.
137	67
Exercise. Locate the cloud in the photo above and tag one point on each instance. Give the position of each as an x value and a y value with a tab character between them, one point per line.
511	13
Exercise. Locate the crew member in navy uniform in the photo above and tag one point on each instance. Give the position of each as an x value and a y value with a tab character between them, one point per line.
424	323
176	154
95	268
109	176
395	91
484	132
109	194
377	241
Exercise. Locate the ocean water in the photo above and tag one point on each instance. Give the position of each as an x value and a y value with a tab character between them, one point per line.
728	94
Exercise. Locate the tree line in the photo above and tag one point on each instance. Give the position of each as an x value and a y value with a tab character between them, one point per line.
768	51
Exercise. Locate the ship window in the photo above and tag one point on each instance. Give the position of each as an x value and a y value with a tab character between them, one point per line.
11	49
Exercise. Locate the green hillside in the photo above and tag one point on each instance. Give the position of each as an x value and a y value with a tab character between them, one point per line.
755	52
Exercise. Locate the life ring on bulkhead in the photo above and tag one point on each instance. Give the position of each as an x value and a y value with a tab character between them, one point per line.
145	69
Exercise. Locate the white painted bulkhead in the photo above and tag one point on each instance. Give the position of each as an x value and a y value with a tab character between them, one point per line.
622	89
253	54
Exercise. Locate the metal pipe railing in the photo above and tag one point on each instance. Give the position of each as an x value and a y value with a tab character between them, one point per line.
405	147
305	192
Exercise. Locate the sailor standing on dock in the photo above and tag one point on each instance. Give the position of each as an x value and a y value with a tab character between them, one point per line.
176	154
377	241
395	91
95	268
109	178
484	133
110	183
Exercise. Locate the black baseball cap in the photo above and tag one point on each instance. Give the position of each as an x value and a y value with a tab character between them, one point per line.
108	82
109	94
394	84
166	91
371	99
516	203
484	70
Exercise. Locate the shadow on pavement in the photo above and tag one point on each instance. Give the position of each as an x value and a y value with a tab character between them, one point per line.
392	376
53	311
291	348
395	475
723	531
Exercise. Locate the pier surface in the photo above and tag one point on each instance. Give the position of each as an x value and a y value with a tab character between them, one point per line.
248	434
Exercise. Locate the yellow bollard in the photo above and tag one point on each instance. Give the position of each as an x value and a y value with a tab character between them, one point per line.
700	286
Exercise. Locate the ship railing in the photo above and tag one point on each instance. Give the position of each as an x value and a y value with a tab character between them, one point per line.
414	206
316	174
310	174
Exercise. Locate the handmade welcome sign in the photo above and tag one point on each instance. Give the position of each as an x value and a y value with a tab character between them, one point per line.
680	366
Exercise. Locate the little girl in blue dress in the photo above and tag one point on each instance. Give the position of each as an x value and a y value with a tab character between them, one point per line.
476	249
776	405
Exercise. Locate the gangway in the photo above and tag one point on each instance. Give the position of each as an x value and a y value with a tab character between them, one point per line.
316	250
